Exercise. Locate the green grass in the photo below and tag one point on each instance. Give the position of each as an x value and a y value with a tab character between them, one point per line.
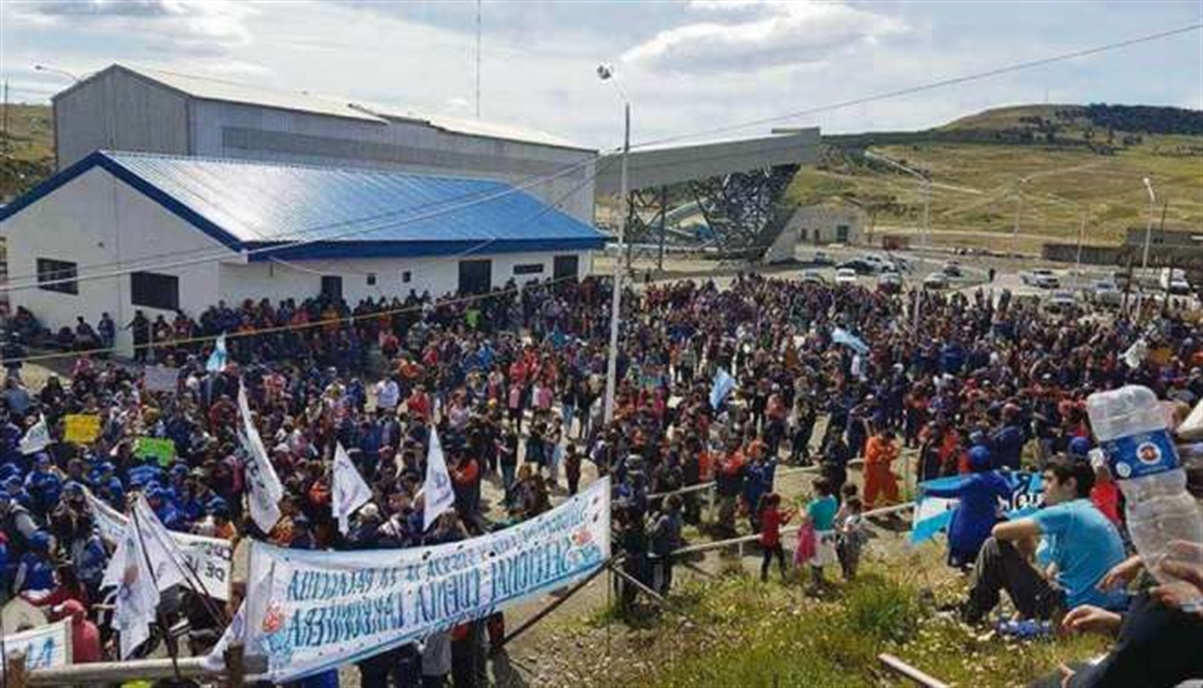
27	152
772	635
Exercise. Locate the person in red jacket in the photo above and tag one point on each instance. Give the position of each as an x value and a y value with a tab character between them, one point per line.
85	637
771	520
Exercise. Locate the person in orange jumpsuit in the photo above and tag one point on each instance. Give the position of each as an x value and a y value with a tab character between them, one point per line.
880	453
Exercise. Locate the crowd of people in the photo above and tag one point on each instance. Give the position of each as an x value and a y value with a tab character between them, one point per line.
514	381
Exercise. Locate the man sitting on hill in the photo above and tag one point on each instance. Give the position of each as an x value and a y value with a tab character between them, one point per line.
1078	546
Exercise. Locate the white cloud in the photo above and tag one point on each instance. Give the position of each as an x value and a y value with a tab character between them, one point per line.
204	27
764	34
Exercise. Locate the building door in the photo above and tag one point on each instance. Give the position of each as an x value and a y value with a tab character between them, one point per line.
564	267
841	234
475	276
332	287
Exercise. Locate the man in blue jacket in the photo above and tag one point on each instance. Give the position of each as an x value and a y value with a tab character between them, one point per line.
977	512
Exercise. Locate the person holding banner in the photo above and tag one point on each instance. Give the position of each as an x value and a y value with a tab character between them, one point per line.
976	512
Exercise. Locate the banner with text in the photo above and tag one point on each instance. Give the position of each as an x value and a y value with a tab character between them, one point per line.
310	611
933	514
209	558
45	647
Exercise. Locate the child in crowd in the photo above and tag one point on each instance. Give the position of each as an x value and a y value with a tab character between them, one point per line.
771	520
850	535
820	516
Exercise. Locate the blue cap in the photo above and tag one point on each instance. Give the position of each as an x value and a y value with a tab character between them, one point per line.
42	457
12	481
106	467
39	541
217	504
8	470
979	458
1079	446
73	487
179	469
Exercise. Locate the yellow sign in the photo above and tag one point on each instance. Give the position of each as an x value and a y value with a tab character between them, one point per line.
82	428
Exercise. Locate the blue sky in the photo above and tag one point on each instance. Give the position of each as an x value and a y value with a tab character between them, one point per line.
686	66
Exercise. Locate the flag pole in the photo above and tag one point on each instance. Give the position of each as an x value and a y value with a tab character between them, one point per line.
172	650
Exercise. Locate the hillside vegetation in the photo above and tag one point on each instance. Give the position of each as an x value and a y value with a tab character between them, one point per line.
1062	159
27	151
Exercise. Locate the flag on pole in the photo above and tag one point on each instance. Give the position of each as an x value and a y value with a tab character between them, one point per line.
439	495
723	384
349	491
36	437
266	490
217	359
1136	354
841	336
137	594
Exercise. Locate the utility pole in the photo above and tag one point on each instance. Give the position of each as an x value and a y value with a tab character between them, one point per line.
478	59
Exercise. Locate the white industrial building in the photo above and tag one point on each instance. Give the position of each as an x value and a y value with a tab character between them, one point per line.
118	232
135	109
827	224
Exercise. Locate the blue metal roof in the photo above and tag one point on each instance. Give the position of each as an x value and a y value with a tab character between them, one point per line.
338	212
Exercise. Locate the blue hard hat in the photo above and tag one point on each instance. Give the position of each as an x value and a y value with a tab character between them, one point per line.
1079	446
979	458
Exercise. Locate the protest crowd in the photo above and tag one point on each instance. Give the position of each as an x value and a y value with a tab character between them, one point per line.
713	384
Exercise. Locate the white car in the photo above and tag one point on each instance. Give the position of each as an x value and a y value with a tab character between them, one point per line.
845	276
813	277
936	280
1040	277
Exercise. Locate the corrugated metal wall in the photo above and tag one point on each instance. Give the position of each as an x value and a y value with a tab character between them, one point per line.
119	111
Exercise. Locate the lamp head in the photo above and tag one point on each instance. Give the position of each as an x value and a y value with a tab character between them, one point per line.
605	71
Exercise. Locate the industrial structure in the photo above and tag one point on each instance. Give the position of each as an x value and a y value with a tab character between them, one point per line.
135	109
119	232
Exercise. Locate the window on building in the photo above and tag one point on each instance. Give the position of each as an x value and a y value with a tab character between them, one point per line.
529	269
841	234
406	277
371	279
153	290
57	275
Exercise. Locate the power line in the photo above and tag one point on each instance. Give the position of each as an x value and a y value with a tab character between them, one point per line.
952	81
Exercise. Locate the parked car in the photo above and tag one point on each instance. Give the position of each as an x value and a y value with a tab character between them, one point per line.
1040	277
952	269
1121	278
859	266
821	258
1060	302
936	280
1173	281
1104	293
813	277
845	276
889	283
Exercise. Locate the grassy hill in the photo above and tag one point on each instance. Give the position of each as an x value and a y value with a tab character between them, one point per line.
27	152
1062	159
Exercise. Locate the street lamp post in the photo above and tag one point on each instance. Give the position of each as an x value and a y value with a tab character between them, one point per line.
1018	211
55	70
1144	259
606	73
924	232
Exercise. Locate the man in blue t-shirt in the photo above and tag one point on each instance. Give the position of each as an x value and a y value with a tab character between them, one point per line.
1078	546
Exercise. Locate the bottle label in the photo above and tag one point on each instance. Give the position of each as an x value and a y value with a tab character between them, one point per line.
1136	456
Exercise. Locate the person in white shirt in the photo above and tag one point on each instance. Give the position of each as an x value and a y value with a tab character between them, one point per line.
388	394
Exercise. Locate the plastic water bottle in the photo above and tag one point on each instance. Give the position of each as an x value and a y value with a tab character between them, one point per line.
1131	429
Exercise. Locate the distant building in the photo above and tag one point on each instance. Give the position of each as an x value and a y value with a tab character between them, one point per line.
828	224
1172	238
128	109
121	232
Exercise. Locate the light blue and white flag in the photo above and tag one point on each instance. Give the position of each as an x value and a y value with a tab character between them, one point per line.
841	336
348	490
217	359
438	494
933	514
723	385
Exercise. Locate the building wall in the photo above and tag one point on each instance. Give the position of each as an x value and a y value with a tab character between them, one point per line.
818	224
279	280
118	111
104	226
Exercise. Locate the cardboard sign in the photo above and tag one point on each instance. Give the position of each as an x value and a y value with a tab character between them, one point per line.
162	450
82	428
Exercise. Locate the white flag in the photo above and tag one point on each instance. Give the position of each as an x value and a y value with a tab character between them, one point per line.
349	491
217	359
36	437
266	491
1135	355
137	595
167	560
439	495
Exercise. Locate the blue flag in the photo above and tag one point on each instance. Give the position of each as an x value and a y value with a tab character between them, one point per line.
841	336
723	384
217	359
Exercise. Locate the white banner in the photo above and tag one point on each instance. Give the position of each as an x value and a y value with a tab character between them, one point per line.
310	611
161	378
210	558
46	647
